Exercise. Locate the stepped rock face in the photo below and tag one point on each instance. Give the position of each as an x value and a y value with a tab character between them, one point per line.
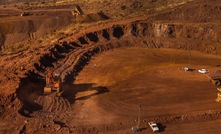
24	29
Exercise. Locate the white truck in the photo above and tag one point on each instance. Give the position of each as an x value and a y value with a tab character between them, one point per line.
203	71
154	126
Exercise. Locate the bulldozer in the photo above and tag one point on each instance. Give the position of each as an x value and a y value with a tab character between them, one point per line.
53	82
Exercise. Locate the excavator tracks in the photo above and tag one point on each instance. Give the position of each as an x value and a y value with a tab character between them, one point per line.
53	107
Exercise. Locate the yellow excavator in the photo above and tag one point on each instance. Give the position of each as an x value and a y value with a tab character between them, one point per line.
53	82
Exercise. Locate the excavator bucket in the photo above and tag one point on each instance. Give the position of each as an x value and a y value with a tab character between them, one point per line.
47	90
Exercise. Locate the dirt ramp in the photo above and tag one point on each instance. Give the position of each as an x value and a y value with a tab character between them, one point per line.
93	17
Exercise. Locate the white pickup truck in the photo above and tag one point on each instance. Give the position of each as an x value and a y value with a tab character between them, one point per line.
154	126
202	71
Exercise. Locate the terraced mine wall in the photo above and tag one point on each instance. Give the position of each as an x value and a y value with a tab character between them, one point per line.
30	28
13	31
73	53
142	34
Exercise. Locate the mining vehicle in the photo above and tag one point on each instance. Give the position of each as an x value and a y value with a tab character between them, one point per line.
77	10
53	82
216	82
25	13
154	126
215	78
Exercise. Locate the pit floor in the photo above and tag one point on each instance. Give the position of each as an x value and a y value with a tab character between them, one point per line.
111	86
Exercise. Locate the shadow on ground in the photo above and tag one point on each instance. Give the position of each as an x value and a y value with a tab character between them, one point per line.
32	87
161	127
70	91
29	90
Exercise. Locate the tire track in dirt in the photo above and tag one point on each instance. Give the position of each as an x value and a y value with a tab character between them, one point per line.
53	107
